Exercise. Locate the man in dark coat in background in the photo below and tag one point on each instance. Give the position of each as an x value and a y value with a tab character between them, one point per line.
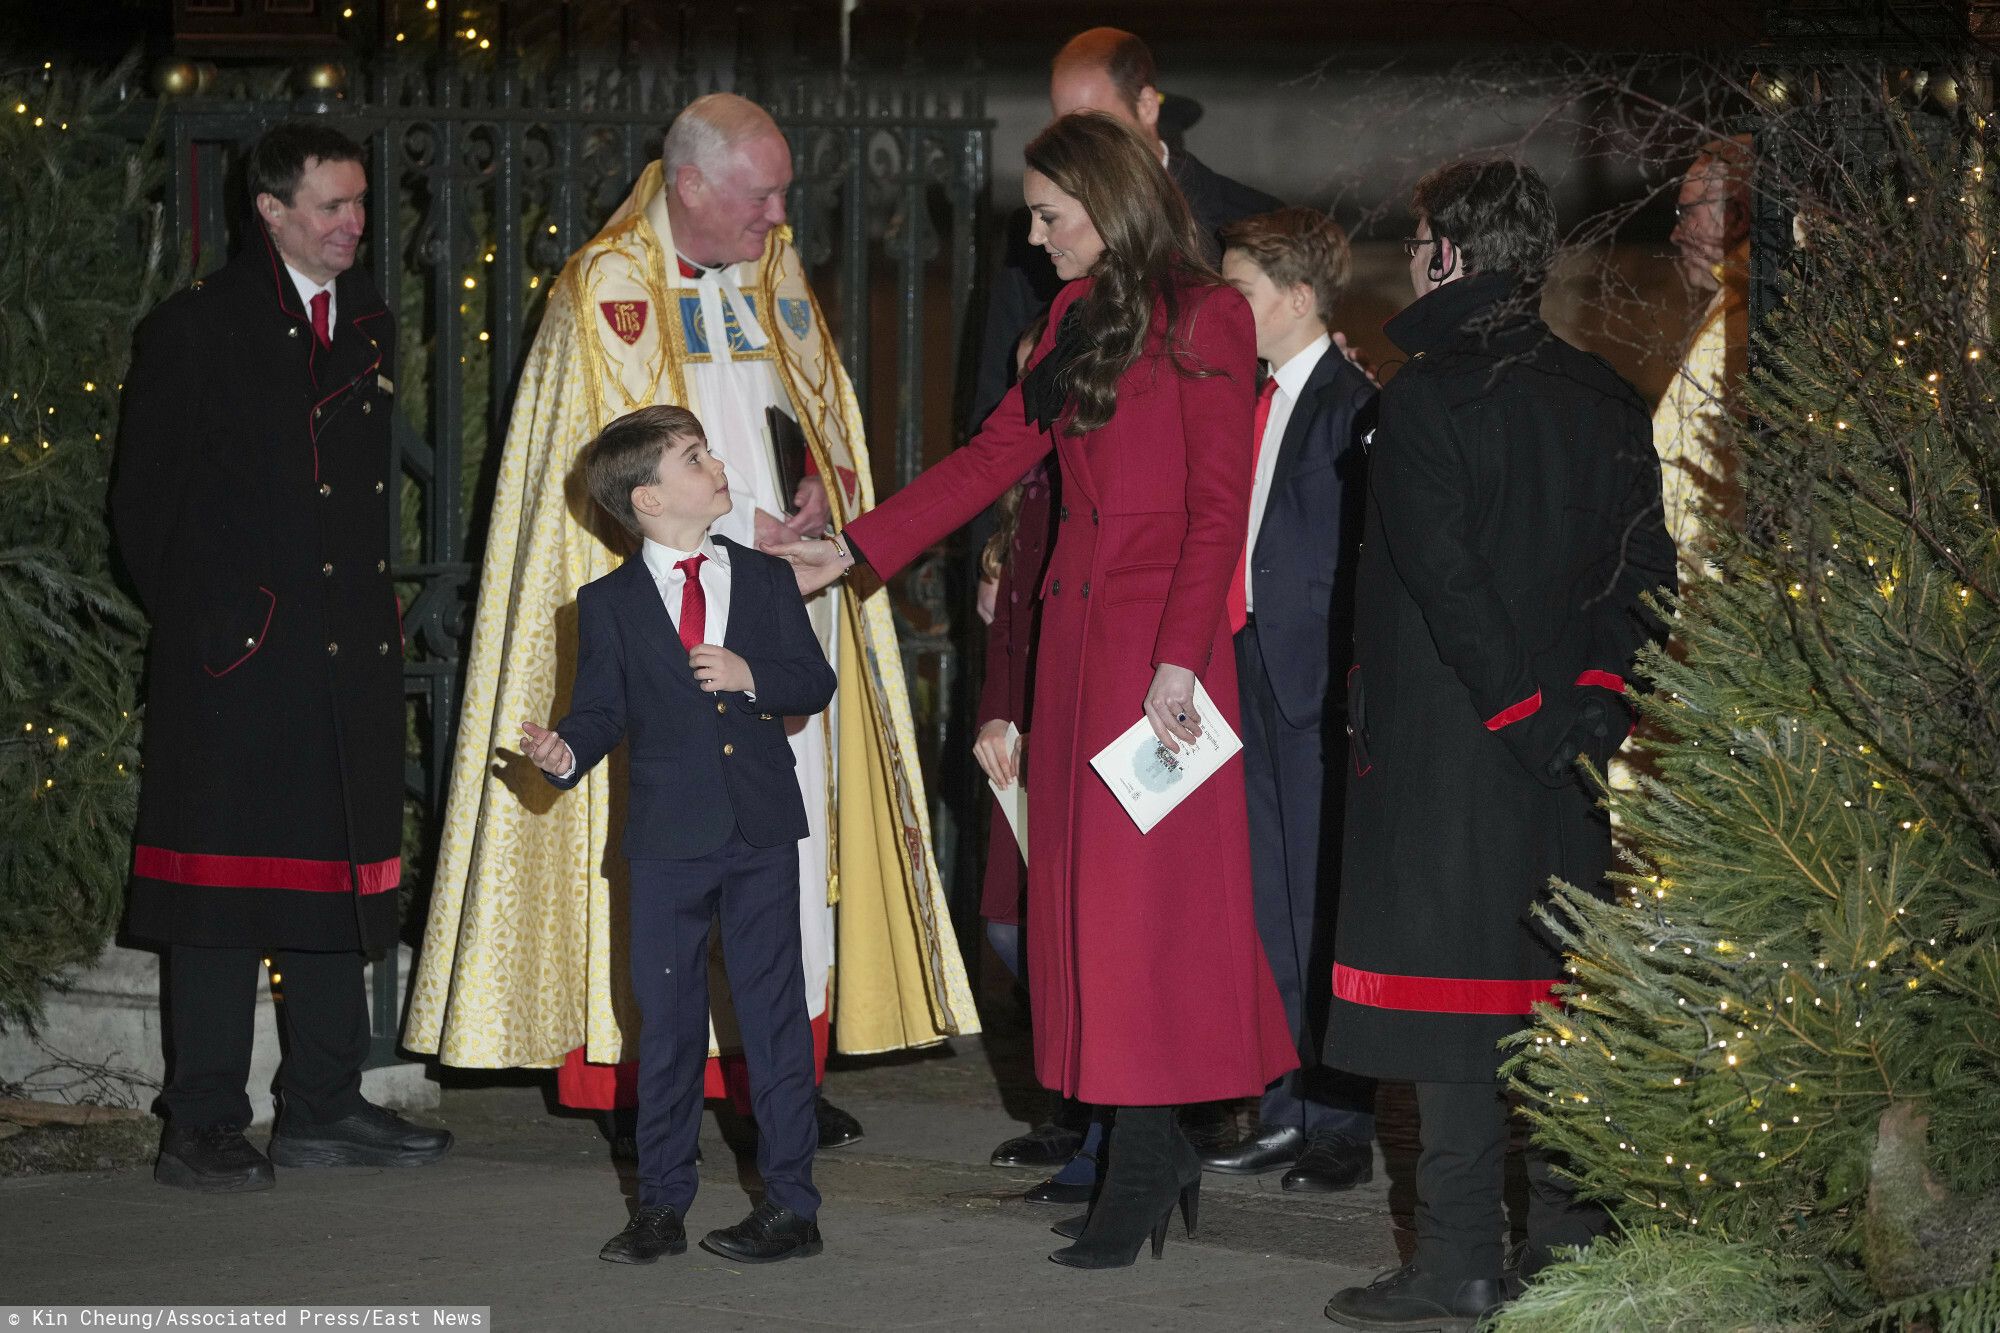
1112	71
1514	526
252	506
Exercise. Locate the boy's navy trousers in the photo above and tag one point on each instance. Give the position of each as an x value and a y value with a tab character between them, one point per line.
755	891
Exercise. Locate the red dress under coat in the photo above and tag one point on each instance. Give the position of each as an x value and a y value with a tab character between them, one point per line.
1146	978
1008	692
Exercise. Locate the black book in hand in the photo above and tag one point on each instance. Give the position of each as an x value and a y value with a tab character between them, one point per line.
788	452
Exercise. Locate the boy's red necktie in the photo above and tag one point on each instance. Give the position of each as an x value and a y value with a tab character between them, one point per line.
694	602
321	331
1238	601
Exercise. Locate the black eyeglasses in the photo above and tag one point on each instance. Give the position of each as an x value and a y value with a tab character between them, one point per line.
1412	244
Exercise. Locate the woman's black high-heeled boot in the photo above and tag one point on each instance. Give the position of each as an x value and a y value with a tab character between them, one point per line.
1152	1168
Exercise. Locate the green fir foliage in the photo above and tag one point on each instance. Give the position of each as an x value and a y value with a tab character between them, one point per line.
80	261
1664	1281
1811	942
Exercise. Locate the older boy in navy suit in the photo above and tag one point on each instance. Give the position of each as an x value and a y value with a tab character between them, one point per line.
695	653
1291	617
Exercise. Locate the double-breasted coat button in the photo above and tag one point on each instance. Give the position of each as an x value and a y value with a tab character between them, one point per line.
381	566
1063	511
1086	591
327	569
250	642
292	332
728	749
1055	587
318	412
325	489
721	707
378	488
765	716
1093	518
366	408
382	649
333	650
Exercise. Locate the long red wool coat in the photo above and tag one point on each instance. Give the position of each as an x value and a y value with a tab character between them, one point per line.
1148	984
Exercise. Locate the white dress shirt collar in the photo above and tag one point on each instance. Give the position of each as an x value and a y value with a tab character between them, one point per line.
308	289
1292	376
661	559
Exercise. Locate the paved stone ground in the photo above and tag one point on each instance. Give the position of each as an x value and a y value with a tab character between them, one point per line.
921	1233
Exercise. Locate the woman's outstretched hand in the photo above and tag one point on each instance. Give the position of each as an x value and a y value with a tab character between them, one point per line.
815	563
1170	706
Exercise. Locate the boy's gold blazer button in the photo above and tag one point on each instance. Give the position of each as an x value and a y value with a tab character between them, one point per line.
764	716
721	707
728	749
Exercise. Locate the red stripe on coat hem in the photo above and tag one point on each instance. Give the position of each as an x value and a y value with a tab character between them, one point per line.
1606	680
1439	995
206	870
1513	713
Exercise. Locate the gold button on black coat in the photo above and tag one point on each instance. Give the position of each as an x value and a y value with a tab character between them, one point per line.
728	748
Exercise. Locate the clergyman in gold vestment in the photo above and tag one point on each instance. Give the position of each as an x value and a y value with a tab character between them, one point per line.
692	295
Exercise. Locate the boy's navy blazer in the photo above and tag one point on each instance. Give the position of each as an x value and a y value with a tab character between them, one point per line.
1302	568
700	764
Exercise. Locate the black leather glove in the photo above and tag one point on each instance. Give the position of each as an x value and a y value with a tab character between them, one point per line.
1588	720
1601	719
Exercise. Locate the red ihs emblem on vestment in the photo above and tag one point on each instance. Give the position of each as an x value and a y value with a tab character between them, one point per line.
626	318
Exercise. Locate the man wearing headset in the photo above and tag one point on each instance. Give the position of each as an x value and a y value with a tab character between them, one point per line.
1513	527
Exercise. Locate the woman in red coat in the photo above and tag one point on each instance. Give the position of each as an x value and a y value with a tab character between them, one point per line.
1147	983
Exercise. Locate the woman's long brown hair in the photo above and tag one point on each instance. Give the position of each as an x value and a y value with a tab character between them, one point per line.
1150	250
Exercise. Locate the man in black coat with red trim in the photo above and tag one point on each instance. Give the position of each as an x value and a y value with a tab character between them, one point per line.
1514	525
253	506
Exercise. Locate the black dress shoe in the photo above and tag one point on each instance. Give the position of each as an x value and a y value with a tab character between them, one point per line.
836	1127
1408	1298
372	1136
1331	1163
769	1234
211	1159
1043	1146
1266	1150
651	1233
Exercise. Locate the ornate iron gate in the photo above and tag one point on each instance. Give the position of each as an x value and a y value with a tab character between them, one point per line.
485	178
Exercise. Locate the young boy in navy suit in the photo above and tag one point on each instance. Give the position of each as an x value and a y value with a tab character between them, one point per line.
695	653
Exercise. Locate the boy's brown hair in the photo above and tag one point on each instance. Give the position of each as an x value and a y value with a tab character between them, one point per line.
626	454
1293	246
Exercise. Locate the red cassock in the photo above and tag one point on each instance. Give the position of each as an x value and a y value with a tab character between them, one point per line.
1148	984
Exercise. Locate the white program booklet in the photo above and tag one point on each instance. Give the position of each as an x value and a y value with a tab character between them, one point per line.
1148	779
1013	797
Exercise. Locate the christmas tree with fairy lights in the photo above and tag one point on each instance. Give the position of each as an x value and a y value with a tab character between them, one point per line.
80	262
1779	1057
